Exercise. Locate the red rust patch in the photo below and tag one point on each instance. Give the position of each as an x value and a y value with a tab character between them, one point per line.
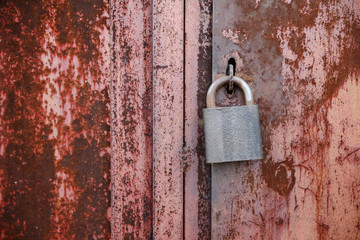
38	144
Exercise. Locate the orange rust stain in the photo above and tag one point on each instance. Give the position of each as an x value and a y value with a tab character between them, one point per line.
282	177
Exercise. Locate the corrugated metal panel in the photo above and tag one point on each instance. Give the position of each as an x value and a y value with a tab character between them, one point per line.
54	113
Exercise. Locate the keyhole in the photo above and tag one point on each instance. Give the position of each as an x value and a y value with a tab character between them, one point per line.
230	62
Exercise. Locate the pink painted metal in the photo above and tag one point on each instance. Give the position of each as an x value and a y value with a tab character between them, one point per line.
168	90
131	119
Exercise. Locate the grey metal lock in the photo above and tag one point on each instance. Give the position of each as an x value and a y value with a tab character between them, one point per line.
231	133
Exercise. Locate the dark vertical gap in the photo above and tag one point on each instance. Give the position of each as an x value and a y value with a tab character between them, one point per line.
184	113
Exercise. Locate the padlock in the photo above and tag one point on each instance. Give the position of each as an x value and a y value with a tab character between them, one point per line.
231	133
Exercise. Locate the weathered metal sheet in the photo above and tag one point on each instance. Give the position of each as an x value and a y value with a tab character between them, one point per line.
302	58
197	79
54	120
168	89
131	124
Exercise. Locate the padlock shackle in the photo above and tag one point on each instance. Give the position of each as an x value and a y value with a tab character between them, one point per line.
217	84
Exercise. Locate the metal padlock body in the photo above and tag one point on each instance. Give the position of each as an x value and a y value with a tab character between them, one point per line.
231	133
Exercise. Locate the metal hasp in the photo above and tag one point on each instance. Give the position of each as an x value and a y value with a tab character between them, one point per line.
231	133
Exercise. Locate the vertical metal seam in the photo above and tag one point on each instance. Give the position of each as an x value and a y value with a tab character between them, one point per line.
183	159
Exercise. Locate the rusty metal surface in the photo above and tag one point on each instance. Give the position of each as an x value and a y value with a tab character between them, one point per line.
302	58
54	120
168	104
131	124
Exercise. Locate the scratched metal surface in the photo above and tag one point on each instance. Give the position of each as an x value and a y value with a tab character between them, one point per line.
131	124
302	59
54	120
